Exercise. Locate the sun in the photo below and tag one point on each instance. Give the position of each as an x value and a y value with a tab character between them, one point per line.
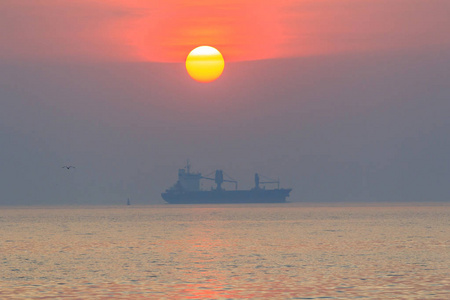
205	64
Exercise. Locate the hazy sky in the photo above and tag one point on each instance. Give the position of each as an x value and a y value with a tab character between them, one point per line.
343	100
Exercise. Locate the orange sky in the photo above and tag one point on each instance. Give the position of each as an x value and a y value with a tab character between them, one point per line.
241	30
165	31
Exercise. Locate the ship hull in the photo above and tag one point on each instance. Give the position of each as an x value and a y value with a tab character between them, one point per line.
214	196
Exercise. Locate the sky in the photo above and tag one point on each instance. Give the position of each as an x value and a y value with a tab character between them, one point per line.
343	100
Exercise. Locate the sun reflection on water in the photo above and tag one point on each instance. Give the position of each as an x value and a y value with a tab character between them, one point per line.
238	252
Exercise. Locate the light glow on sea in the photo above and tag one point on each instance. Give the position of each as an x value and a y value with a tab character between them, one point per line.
277	251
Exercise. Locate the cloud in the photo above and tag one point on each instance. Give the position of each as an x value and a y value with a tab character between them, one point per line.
165	31
60	30
346	26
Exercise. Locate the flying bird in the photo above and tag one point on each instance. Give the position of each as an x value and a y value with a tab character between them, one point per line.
68	167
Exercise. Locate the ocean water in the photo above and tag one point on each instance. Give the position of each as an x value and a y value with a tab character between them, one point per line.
279	251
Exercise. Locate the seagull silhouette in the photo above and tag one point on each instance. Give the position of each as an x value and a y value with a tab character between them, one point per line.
68	167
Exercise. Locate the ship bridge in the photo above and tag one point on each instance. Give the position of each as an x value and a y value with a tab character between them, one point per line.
189	181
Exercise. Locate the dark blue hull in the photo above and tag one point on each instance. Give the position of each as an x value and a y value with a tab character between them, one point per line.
212	197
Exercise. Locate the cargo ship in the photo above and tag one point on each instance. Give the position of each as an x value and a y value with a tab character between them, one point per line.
187	190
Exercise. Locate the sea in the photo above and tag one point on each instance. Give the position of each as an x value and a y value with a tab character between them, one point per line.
268	251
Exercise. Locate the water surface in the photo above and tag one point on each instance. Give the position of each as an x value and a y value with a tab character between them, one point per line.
280	251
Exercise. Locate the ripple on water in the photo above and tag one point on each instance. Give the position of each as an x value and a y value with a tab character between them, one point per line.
283	252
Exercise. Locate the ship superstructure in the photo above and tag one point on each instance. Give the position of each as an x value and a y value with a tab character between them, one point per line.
187	190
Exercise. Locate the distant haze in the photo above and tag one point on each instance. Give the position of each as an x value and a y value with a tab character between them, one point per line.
363	123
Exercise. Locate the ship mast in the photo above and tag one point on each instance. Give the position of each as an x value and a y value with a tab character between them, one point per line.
188	166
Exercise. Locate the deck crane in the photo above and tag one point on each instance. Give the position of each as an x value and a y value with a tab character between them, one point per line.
218	178
258	182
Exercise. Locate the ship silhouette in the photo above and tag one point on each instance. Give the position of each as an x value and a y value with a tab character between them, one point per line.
187	190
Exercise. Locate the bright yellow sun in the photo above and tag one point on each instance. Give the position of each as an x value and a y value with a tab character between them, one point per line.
205	64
